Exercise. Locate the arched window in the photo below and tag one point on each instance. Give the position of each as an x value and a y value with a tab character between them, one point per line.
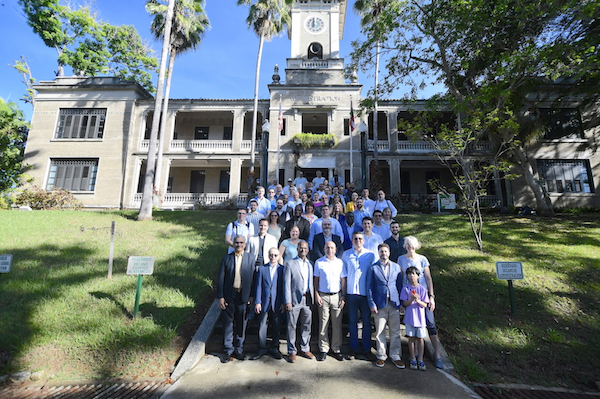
315	51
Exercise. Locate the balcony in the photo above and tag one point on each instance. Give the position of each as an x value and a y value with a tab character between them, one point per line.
210	146
192	200
382	145
424	147
204	146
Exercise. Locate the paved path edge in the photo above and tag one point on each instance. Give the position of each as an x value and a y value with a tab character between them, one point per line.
197	346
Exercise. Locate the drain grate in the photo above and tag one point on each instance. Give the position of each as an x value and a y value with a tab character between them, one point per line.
132	390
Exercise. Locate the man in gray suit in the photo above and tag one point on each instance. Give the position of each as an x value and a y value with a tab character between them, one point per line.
298	294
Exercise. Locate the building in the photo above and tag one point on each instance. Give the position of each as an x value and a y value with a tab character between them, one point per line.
91	134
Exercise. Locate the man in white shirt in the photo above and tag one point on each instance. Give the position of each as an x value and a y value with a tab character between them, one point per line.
372	240
318	180
379	227
290	184
240	227
329	287
383	203
368	202
300	181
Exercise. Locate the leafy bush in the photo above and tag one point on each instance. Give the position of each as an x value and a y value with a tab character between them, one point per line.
38	198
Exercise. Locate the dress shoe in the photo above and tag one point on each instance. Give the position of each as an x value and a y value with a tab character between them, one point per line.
307	354
351	355
259	355
239	356
276	354
380	363
292	357
337	356
399	364
227	359
321	356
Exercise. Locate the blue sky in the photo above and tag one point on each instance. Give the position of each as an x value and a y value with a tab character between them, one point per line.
223	66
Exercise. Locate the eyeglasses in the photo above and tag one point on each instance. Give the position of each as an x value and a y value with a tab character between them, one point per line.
273	255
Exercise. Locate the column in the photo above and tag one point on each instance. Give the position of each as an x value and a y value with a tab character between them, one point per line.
238	130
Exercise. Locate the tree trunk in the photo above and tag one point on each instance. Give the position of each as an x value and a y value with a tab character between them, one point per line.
255	115
543	203
146	205
163	126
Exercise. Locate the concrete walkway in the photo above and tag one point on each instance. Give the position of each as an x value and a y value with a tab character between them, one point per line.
269	378
200	374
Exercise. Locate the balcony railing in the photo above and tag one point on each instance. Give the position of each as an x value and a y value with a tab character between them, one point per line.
382	145
191	200
426	146
247	144
201	145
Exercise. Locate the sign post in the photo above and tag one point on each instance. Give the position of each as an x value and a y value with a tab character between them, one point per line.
510	271
139	265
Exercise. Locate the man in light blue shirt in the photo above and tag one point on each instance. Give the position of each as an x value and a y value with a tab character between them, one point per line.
357	262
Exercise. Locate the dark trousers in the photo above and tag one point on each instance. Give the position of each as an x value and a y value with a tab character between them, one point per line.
234	325
273	319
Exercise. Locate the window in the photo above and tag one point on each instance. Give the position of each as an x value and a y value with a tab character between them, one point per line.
197	181
73	174
201	133
227	133
80	123
564	123
283	126
346	126
565	176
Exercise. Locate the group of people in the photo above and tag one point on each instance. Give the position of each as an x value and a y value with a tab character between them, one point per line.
284	265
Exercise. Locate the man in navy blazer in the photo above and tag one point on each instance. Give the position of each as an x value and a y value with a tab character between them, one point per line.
268	303
384	283
298	296
318	246
234	292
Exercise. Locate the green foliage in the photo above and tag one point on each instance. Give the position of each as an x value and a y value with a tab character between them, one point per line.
489	55
22	67
307	140
88	46
40	199
13	135
59	313
268	18
190	23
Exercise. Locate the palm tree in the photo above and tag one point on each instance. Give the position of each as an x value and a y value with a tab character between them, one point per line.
146	205
188	27
369	11
268	18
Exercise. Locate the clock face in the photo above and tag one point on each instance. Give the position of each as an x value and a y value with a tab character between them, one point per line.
314	24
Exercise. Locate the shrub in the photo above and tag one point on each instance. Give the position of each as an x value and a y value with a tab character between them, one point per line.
38	198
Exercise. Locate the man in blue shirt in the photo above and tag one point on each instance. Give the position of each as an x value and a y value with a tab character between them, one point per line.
357	262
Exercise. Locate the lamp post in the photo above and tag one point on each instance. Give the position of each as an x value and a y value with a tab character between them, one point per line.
266	128
362	128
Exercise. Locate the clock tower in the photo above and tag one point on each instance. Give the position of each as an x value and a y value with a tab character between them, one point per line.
315	32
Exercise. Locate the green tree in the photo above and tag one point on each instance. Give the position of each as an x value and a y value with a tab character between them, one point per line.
489	56
188	27
13	134
268	18
23	68
90	47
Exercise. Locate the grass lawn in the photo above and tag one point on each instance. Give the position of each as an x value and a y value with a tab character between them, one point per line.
59	313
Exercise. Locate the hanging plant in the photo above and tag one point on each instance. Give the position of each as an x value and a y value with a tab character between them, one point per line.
307	140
